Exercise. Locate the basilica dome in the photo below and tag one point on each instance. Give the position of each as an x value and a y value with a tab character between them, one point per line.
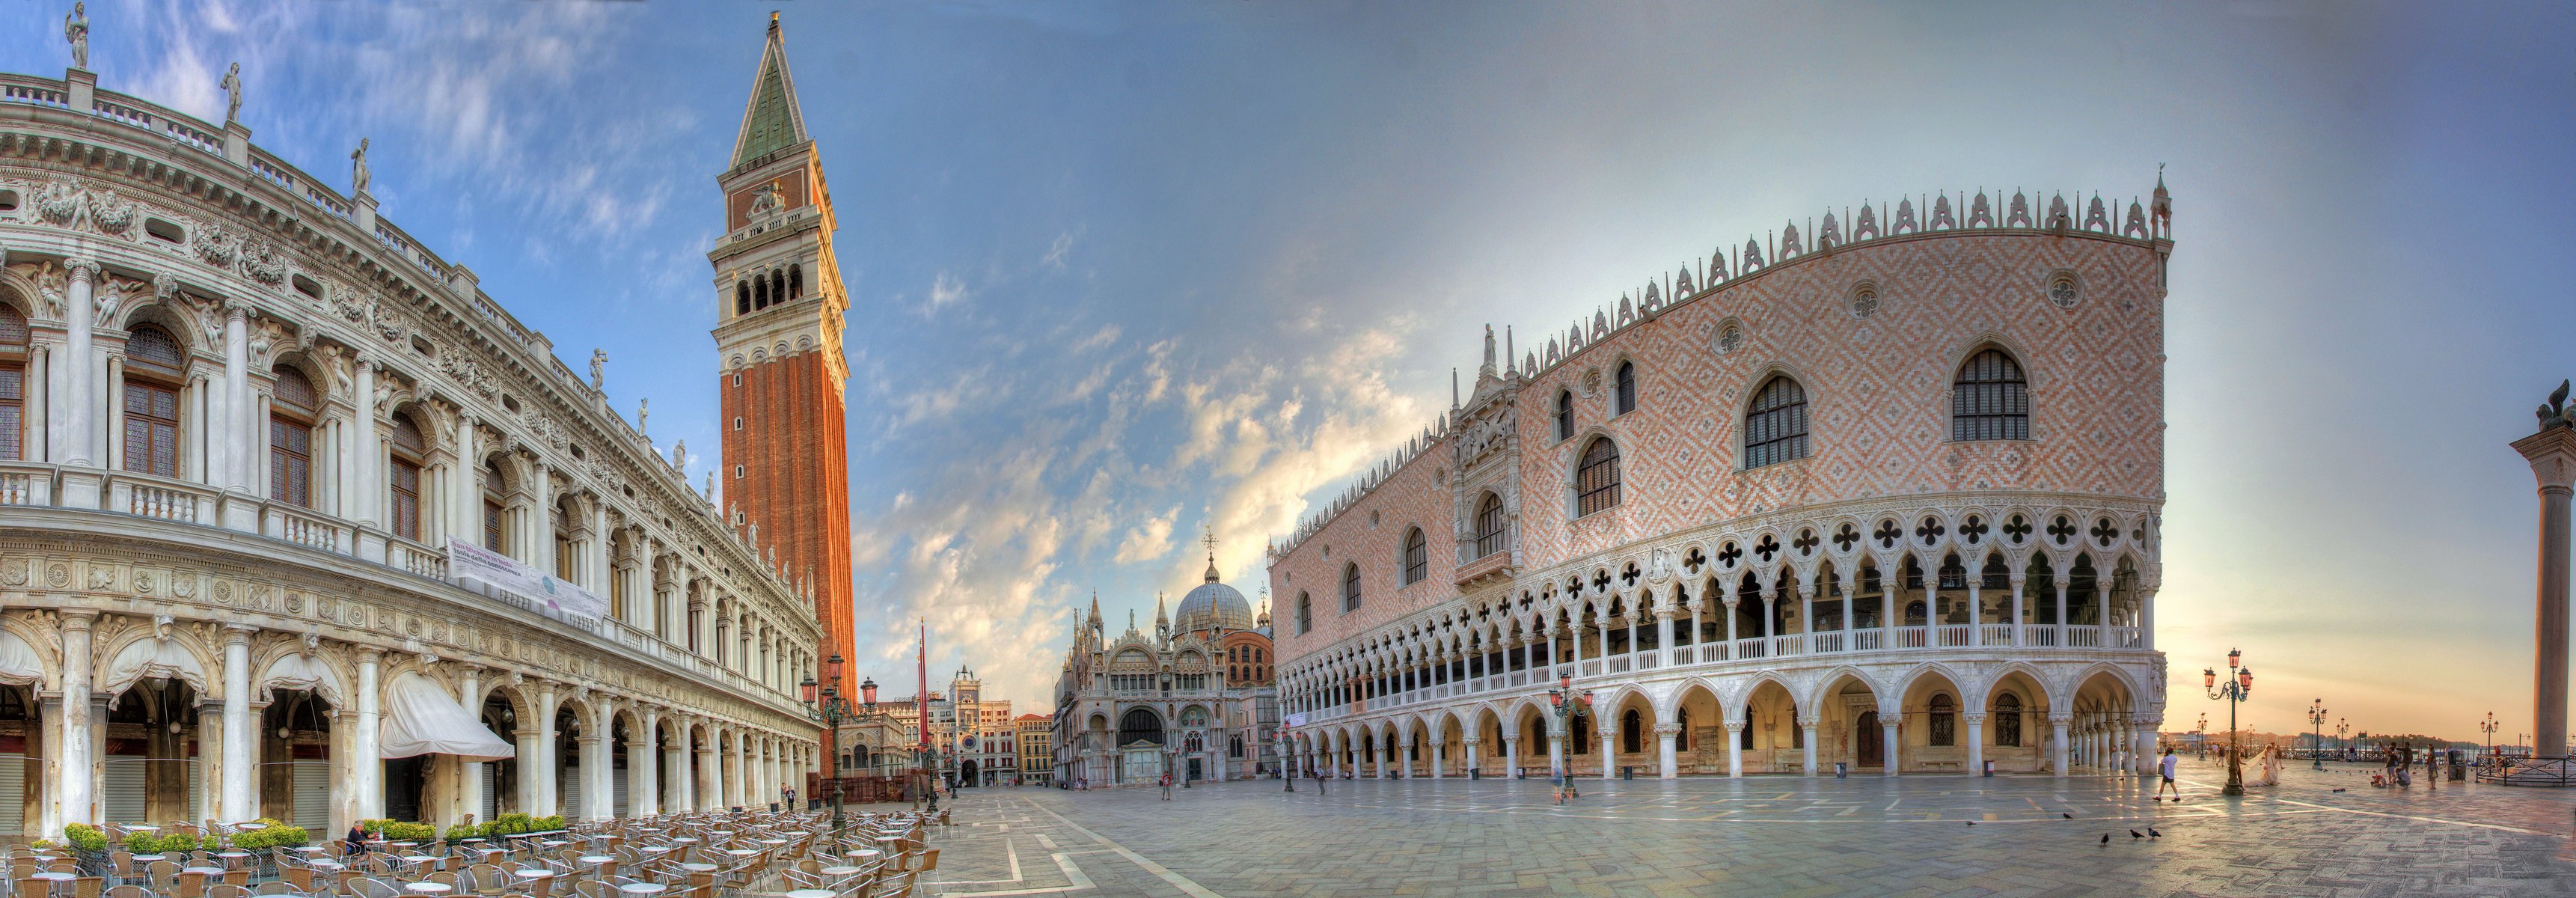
1212	606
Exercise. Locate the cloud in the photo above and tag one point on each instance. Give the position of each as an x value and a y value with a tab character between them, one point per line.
1150	540
1058	251
945	290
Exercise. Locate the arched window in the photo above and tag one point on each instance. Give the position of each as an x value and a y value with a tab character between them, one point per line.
1945	722
1417	556
1596	480
493	514
291	409
1775	426
152	408
1565	415
795	281
777	288
1489	525
1305	613
742	297
409	447
759	293
1630	738
1350	588
1990	400
2008	721
13	384
1627	387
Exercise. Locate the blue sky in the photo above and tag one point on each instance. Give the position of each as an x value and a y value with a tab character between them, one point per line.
1124	271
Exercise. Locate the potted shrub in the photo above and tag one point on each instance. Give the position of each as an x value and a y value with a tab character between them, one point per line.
89	844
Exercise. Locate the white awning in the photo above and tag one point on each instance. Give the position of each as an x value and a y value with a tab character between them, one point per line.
421	719
19	662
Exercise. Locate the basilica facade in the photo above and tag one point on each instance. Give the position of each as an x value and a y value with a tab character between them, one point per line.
296	521
1883	496
1196	698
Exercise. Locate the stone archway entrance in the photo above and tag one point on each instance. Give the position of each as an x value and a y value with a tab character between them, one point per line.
1865	741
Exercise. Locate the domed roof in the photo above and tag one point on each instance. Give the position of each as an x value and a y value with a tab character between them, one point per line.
1212	606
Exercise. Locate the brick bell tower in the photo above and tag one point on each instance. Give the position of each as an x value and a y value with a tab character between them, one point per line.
778	346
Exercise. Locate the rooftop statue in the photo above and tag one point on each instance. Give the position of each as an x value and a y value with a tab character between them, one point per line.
232	93
76	30
2555	413
358	176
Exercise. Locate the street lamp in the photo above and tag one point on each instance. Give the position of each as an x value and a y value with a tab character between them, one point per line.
2488	726
828	708
2240	681
1564	700
2316	733
2342	744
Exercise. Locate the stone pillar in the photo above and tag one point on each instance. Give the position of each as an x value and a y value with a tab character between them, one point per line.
2147	618
2059	577
1809	724
465	493
469	774
2552	454
708	794
238	434
2057	744
2016	610
366	766
1888	746
1976	742
1404	759
79	404
596	803
733	772
676	774
1511	756
1976	610
537	780
2145	730
1558	764
79	762
532	749
366	485
540	530
1807	617
1730	621
1474	747
1667	766
1439	748
1609	745
239	776
1734	746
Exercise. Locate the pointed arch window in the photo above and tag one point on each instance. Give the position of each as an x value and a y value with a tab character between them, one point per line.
291	409
1417	556
759	293
1565	415
2008	721
1775	426
403	475
1489	525
1596	479
13	384
1990	400
1627	387
1945	721
742	297
1305	613
1350	588
153	360
795	281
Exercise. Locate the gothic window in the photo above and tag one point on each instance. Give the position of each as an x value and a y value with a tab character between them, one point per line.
1596	480
1305	613
1990	400
1627	387
1945	722
759	293
1775	427
1350	588
2008	721
777	288
291	410
795	281
492	519
742	297
1630	736
13	384
409	448
1489	525
1417	556
1565	415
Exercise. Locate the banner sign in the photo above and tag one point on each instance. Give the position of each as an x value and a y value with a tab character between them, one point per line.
467	561
1296	720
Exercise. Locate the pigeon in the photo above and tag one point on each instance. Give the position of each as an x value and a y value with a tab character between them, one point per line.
2106	838
2153	834
2134	835
2066	815
1972	823
2338	790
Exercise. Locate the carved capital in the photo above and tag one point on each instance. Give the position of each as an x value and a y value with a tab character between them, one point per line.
82	269
1668	729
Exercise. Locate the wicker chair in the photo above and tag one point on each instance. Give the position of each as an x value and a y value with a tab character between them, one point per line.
279	887
128	891
299	878
227	890
191	885
88	886
238	876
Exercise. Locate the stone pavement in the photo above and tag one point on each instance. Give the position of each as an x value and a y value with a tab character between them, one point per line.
1766	836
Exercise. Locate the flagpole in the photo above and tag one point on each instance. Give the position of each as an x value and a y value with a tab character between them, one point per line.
921	699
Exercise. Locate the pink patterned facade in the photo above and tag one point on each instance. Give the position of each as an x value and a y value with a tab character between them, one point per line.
1890	500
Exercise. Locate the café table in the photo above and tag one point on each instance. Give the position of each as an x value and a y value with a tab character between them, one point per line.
642	888
811	893
428	888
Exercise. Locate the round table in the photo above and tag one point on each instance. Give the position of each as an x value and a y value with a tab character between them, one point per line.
428	888
642	888
62	877
841	871
251	825
524	873
811	893
699	868
208	871
773	841
597	859
312	849
864	854
149	858
230	856
685	840
327	864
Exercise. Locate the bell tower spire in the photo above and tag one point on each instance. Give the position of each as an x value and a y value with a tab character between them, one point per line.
779	367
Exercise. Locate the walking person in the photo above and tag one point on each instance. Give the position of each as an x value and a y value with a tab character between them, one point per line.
2169	765
1167	786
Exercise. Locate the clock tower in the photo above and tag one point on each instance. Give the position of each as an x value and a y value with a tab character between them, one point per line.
780	303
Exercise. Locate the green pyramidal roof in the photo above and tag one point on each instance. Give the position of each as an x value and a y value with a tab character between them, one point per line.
771	121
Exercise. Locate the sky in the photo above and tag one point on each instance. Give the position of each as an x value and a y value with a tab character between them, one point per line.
1125	273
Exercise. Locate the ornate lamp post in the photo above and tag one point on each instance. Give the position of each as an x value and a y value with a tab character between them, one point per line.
2341	744
2316	733
1564	699
2240	681
2200	734
828	708
2488	726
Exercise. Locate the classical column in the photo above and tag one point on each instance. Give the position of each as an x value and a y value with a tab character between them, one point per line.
1809	724
1734	747
532	750
1557	762
367	486
1667	766
1976	742
2017	581
240	785
2145	731
1807	617
366	766
707	795
236	433
79	405
1731	600
596	803
465	496
2552	454
469	774
539	531
2147	618
643	756
1404	758
78	777
2057	743
1887	746
732	773
2059	577
538	779
1439	751
1511	756
1976	611
1891	586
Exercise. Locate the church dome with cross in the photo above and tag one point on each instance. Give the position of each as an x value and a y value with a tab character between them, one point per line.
1213	606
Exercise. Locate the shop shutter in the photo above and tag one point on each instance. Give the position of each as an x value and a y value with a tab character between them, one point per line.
311	784
122	795
13	794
